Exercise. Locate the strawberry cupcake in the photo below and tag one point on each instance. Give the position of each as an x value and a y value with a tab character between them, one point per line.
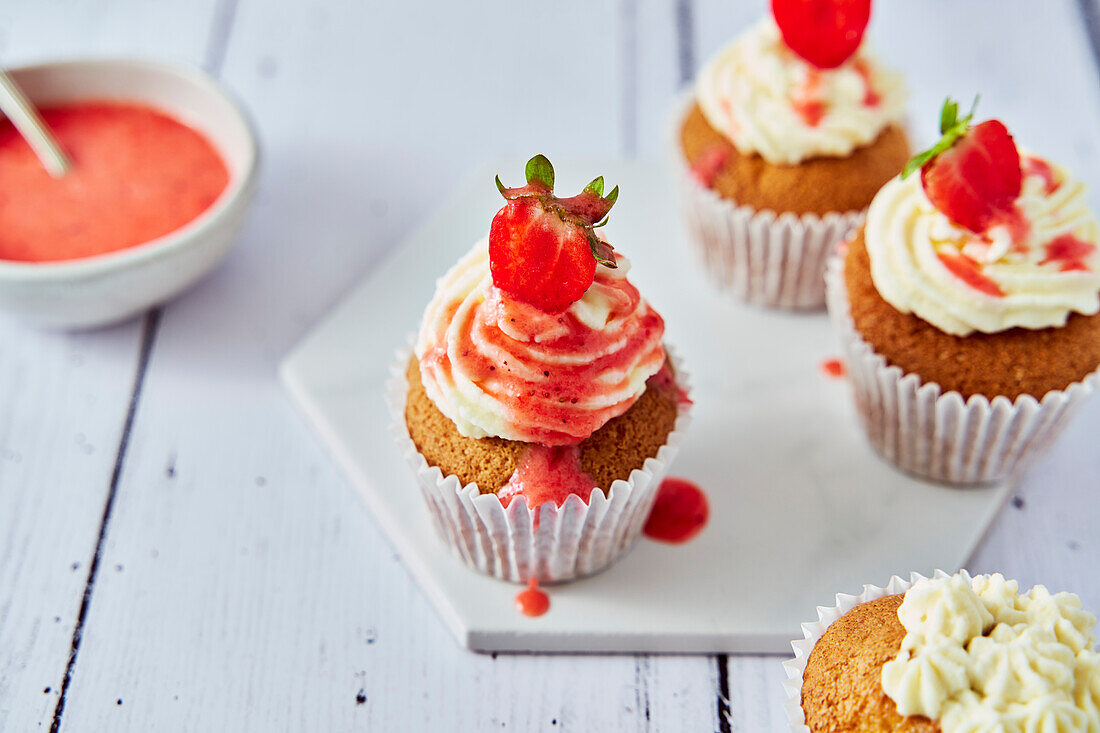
789	133
951	654
968	306
540	409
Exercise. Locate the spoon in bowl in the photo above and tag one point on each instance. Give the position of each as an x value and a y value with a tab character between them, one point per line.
15	105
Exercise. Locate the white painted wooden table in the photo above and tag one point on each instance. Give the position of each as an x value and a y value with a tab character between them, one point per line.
177	552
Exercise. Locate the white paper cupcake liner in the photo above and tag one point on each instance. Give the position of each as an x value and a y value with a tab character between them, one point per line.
566	542
761	257
938	435
813	630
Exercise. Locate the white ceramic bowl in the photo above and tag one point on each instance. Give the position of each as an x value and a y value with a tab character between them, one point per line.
97	291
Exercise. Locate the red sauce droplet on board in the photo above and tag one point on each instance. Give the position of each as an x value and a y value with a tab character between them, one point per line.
708	165
548	473
679	513
137	175
970	272
1039	167
532	601
1070	252
834	368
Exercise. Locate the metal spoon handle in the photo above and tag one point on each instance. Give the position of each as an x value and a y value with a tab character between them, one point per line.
28	122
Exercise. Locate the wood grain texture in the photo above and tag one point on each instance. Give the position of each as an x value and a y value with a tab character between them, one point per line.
242	584
63	399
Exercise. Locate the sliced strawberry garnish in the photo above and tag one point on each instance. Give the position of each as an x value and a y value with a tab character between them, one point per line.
542	249
972	175
824	32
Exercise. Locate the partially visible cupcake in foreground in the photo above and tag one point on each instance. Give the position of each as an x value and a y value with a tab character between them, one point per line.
968	306
952	654
540	408
790	132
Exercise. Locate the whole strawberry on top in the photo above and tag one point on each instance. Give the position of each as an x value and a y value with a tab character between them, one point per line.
543	250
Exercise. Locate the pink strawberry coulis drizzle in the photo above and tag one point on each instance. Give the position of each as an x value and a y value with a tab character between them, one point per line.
1069	252
532	601
558	380
807	102
707	166
871	98
548	474
1038	167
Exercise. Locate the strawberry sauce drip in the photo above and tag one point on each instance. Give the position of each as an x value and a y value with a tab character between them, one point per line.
532	601
834	368
679	513
807	102
1038	167
871	98
1069	252
970	272
708	165
548	474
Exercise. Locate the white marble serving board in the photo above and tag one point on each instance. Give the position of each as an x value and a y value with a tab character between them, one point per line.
801	506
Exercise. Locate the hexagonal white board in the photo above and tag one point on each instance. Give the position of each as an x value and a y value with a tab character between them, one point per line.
801	507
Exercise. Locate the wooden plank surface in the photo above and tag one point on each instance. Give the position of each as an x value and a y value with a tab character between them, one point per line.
241	585
64	399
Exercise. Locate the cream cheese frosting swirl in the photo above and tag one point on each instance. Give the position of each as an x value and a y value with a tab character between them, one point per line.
768	100
498	367
1032	271
980	657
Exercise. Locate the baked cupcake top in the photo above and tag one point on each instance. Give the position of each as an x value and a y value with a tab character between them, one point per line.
791	91
985	239
536	334
980	656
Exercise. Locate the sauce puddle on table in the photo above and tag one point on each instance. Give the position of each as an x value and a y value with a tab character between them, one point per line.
679	513
137	174
835	368
532	601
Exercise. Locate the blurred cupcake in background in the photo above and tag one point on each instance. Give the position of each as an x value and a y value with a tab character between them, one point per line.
540	409
790	131
950	654
967	306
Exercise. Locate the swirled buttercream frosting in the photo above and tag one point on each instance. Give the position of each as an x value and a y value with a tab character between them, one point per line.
498	367
768	100
1031	270
980	657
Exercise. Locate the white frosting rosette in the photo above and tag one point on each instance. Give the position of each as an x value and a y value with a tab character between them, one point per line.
758	92
978	657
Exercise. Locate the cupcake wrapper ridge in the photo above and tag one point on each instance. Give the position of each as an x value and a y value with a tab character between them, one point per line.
934	434
813	630
761	257
516	543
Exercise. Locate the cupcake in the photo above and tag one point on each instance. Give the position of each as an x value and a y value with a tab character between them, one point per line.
951	654
539	408
967	306
789	133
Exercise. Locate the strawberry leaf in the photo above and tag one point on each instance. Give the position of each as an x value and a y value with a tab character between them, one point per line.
596	186
602	251
539	171
951	129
